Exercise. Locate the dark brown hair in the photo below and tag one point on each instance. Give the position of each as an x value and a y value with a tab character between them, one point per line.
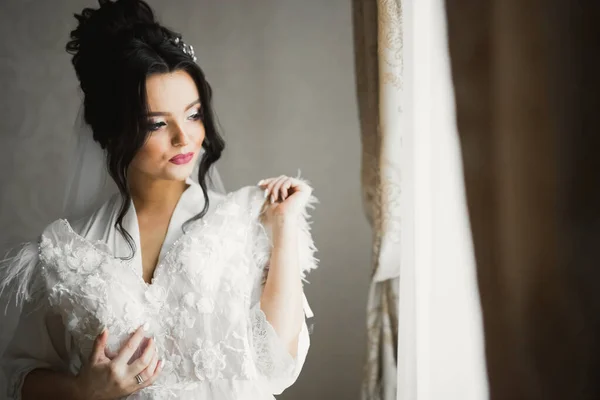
115	48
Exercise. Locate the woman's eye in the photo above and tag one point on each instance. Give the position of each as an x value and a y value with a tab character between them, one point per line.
196	116
154	126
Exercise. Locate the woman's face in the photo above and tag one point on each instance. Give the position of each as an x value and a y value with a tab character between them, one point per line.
176	129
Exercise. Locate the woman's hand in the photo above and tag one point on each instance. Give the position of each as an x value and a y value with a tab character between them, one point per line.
281	299
287	197
105	377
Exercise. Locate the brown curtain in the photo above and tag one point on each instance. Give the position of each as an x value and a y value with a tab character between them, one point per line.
527	90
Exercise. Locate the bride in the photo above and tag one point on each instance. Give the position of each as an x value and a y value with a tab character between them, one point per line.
167	289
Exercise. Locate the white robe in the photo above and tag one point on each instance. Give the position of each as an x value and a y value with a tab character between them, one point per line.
203	305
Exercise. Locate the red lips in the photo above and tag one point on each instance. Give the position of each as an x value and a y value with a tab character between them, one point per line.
182	158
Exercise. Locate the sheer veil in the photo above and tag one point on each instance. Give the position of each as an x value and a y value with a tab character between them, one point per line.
88	182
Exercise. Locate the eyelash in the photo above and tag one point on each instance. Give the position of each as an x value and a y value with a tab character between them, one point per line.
156	126
152	127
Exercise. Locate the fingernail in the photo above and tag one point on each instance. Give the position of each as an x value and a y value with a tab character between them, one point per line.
146	326
261	182
266	193
272	199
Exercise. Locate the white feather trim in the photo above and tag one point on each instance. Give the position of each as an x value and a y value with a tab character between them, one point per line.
306	248
20	276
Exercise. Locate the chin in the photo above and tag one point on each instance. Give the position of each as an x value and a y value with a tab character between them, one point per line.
179	174
180	177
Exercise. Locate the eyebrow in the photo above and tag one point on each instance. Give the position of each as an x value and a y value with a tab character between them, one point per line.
163	113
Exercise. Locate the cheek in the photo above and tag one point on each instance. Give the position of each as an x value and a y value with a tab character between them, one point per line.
153	150
199	134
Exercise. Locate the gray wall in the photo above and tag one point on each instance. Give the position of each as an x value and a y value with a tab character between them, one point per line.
282	71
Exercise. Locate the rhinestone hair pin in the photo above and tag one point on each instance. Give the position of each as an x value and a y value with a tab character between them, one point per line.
186	48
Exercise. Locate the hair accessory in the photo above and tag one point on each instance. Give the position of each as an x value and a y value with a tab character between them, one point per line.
186	48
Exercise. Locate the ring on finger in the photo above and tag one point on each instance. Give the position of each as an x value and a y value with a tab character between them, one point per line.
139	379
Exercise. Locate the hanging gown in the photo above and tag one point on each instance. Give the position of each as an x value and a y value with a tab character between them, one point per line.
202	305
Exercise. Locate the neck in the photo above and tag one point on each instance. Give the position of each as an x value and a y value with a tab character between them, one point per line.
155	196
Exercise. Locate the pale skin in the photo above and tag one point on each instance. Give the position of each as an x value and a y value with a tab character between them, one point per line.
156	184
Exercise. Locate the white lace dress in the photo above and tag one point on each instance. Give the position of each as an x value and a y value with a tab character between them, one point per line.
203	305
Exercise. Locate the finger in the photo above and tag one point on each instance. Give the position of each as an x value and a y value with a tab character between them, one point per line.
265	182
275	188
145	358
127	351
99	347
285	188
150	369
153	365
272	182
154	377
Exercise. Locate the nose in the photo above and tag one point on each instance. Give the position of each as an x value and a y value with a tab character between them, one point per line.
180	138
